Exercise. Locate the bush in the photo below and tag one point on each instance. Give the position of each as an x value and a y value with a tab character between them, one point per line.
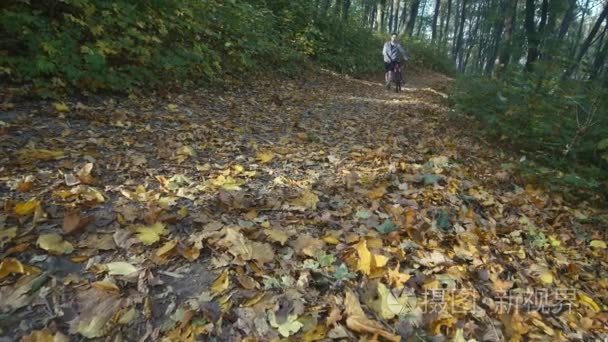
427	56
560	125
118	46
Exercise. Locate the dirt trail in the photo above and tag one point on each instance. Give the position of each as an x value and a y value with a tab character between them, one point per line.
326	207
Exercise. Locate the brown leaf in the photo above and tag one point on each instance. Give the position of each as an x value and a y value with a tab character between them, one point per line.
74	223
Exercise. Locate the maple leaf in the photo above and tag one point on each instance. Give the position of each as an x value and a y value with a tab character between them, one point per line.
149	235
290	326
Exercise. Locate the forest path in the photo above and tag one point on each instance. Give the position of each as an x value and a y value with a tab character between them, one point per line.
322	207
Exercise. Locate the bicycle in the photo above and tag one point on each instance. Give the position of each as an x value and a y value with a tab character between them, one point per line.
395	76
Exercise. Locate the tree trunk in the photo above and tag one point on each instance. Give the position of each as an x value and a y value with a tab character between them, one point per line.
447	23
568	18
459	40
588	41
324	7
396	5
390	16
600	60
420	21
579	33
403	20
435	17
505	54
413	14
345	9
499	25
531	35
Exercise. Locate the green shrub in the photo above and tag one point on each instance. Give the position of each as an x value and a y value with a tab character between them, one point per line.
426	56
559	125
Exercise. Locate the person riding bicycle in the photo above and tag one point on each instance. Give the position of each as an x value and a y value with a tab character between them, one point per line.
390	52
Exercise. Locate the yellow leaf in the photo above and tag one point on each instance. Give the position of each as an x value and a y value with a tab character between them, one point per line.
221	283
166	248
106	285
182	212
307	199
35	154
54	244
290	326
120	268
377	193
127	317
10	265
149	235
546	278
396	278
265	157
276	236
61	107
26	208
386	304
190	253
7	235
365	257
599	244
379	261
357	320
330	239
317	334
186	151
45	335
589	302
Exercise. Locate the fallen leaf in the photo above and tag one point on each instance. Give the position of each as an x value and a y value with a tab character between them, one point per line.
7	235
61	107
599	244
221	283
290	326
149	235
364	264
276	236
307	200
9	266
96	308
265	156
45	335
396	278
120	268
54	244
26	208
74	223
357	320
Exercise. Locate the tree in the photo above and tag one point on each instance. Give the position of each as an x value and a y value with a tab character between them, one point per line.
435	17
588	41
412	18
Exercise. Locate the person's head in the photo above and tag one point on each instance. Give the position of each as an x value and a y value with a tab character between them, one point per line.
393	37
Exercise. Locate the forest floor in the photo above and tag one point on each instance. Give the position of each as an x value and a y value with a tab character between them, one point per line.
319	208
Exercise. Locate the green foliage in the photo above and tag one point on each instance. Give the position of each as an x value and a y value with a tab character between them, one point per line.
341	46
561	126
118	46
425	55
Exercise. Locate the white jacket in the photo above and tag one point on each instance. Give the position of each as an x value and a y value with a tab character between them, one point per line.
392	54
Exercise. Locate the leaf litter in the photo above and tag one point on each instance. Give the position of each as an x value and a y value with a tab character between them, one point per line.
339	212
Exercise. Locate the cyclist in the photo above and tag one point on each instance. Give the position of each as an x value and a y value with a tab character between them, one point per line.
390	52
